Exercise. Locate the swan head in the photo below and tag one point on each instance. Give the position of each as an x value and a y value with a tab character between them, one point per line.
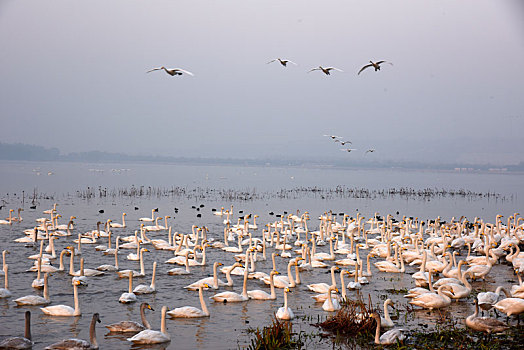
147	306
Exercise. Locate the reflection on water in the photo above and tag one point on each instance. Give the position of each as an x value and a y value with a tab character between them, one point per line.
226	327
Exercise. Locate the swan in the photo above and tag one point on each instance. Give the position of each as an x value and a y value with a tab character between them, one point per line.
285	312
459	290
326	70
232	296
484	324
284	281
331	304
324	287
128	297
4	292
179	270
375	65
433	301
487	299
283	62
390	337
510	306
149	336
151	219
214	281
125	273
35	299
262	295
131	326
80	343
172	71
107	267
143	289
190	311
64	310
20	342
386	321
118	225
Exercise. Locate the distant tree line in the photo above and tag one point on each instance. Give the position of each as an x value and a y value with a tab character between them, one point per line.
20	151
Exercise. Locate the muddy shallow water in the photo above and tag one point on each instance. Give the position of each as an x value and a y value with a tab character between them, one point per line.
227	325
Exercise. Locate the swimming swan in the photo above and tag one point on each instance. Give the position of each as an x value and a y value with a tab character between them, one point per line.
64	310
190	311
150	336
131	326
79	343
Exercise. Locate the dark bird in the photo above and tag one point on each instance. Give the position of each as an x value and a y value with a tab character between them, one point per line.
375	65
282	62
348	149
326	70
371	150
172	71
343	142
333	136
101	211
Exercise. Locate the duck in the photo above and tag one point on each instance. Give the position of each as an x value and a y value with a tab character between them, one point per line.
149	336
79	344
131	326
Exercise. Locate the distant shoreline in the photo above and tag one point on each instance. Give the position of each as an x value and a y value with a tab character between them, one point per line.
31	153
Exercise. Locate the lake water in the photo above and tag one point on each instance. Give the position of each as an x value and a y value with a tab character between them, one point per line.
84	190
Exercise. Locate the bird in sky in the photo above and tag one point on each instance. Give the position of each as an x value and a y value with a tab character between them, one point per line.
375	65
172	71
371	150
348	149
326	70
334	136
343	142
283	62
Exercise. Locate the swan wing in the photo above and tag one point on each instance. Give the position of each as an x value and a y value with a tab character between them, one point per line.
186	311
366	66
183	71
149	71
71	344
125	326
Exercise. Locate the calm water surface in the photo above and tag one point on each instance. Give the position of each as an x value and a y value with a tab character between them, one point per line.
226	328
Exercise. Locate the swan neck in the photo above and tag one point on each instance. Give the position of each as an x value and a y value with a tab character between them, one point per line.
163	320
145	322
77	302
202	302
154	276
27	333
377	331
92	332
272	285
46	290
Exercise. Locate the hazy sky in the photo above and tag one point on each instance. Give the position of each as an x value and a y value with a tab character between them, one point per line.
73	77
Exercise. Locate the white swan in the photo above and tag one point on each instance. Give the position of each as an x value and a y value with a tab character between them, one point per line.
190	311
144	289
150	336
131	326
214	281
433	301
151	219
125	273
285	312
375	65
118	225
5	292
232	296
386	321
128	297
64	310
283	62
35	299
331	304
262	295
79	344
324	287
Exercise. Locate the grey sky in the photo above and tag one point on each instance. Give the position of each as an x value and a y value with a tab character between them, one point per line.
73	77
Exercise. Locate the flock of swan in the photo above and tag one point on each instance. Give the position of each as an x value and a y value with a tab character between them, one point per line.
339	245
284	62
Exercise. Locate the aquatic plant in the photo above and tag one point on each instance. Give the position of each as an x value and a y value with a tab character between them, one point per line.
278	335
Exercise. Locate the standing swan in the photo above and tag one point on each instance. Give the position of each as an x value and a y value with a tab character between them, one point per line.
285	312
484	324
64	310
80	343
131	326
149	336
20	342
190	311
